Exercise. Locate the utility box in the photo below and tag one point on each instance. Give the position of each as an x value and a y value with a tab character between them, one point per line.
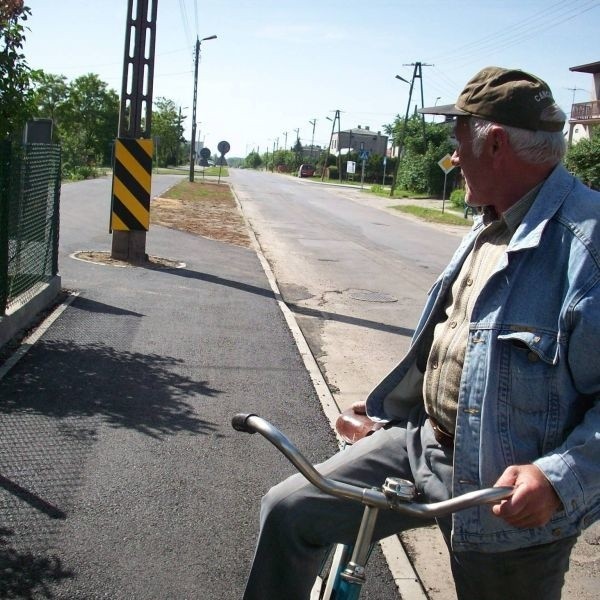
38	131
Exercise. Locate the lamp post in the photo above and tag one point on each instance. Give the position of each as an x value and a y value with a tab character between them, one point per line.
193	138
312	141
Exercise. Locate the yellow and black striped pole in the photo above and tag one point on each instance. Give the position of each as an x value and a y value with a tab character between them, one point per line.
130	206
132	178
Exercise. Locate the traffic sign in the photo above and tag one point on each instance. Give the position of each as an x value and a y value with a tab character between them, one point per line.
446	164
223	147
363	155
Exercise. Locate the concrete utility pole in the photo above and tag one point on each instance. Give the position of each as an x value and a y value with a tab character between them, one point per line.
130	210
339	161
193	138
312	141
417	73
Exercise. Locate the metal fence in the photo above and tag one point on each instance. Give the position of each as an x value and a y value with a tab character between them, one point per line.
29	219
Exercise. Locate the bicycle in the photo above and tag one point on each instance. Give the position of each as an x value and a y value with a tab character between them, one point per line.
343	579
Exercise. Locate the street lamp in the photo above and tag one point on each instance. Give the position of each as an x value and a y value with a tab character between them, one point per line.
193	140
401	140
312	141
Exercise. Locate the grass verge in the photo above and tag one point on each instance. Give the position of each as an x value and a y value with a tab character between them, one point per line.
433	215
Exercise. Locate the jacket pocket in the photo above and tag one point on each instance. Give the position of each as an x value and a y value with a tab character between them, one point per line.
529	408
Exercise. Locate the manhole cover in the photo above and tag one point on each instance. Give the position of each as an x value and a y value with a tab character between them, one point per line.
369	296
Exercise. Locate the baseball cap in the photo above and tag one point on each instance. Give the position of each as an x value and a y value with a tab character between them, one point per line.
505	96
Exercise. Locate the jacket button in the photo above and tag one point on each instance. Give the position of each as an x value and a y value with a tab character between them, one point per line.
557	532
532	357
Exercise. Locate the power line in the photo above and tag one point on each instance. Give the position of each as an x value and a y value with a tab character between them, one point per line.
461	56
514	33
185	21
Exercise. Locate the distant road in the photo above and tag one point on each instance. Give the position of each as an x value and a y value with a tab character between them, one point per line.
356	276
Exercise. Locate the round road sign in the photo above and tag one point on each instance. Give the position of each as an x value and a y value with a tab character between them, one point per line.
223	147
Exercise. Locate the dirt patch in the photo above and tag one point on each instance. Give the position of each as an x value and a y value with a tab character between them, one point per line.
105	258
206	209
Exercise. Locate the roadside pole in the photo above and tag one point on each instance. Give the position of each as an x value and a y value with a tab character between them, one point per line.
363	155
132	173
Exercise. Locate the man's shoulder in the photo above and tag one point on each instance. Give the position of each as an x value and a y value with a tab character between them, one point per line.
581	205
576	203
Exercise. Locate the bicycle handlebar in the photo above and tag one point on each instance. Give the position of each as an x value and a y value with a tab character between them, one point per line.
251	423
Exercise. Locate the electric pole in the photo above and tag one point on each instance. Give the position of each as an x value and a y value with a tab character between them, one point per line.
132	173
193	138
312	141
417	73
335	119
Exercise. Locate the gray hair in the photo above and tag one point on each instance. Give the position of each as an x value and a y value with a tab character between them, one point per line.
534	147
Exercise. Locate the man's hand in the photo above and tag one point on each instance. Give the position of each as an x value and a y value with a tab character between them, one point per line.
534	500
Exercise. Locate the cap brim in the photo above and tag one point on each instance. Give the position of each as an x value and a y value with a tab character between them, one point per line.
447	109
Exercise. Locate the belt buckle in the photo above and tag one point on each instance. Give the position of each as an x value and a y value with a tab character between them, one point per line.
443	438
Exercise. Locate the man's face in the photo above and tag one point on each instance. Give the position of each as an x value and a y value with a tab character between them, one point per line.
474	169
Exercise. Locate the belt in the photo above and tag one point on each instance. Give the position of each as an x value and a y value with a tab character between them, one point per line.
443	438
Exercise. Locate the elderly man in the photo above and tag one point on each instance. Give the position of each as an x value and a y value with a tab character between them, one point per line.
501	385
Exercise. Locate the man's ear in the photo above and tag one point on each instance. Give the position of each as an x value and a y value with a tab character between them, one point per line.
498	141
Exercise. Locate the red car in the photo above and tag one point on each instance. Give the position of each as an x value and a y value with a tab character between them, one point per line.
306	171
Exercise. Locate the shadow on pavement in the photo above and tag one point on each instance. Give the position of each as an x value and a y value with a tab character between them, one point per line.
245	287
329	316
23	575
125	389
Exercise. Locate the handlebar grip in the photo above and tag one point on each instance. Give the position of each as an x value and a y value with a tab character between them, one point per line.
240	422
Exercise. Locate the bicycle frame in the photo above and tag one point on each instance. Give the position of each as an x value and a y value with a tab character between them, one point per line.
396	494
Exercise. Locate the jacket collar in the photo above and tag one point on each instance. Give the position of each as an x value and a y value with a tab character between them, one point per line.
549	200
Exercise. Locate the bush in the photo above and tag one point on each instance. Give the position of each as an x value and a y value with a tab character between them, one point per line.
457	198
333	172
583	159
79	172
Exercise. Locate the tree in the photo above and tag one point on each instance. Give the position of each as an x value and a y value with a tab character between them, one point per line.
253	160
92	116
15	91
422	148
51	94
167	129
298	154
583	159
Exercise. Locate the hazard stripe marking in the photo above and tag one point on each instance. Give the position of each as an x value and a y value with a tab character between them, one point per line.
132	180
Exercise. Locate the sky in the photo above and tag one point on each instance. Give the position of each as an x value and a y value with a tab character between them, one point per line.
277	65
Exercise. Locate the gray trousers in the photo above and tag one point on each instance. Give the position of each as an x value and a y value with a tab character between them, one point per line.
298	523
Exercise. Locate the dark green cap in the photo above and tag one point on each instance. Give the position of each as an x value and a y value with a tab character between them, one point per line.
505	96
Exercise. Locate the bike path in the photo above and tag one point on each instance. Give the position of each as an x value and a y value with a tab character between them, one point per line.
120	475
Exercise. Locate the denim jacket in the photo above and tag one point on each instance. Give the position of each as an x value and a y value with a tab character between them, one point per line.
530	387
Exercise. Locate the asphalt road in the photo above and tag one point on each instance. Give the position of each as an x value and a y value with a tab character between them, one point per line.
354	275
